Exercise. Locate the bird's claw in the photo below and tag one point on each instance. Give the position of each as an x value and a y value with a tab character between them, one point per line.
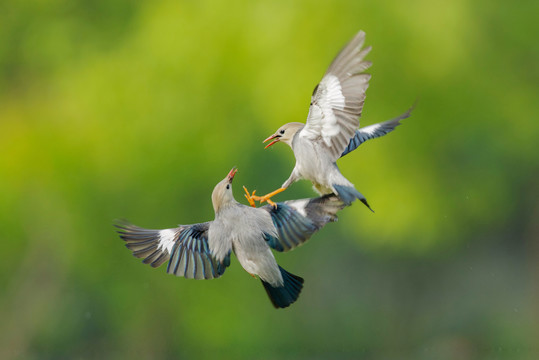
267	197
250	197
272	203
262	199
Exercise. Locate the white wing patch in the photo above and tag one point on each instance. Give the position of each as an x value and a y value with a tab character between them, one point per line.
333	94
167	239
299	206
334	99
371	129
322	120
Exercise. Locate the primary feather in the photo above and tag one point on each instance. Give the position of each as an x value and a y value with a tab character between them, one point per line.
337	101
331	130
202	251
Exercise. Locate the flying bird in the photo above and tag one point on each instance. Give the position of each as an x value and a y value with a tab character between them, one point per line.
202	251
331	130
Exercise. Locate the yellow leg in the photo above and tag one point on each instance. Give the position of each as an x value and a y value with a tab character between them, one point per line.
268	196
249	197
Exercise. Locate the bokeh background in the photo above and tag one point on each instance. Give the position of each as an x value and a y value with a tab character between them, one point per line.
123	109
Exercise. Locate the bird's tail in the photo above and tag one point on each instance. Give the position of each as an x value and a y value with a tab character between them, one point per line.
348	194
287	294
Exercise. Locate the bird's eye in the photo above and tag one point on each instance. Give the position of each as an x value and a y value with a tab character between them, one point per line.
281	132
228	186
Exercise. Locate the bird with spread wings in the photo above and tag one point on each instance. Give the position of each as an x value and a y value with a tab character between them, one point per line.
331	130
202	251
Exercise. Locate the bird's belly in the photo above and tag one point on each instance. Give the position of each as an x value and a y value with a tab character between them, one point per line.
259	261
321	189
317	175
249	265
321	172
310	166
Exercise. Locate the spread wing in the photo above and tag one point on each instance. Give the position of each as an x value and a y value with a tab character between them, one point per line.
297	220
374	131
337	101
185	248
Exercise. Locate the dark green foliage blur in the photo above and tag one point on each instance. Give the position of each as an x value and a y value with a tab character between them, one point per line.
123	109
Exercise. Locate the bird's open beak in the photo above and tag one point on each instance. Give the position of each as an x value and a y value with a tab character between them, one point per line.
276	139
231	174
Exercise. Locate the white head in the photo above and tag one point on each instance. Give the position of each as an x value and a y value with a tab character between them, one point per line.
222	193
285	134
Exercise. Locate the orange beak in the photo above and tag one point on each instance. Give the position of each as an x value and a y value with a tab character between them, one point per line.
231	174
274	136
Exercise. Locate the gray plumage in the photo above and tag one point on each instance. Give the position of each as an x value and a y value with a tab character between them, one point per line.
202	251
331	130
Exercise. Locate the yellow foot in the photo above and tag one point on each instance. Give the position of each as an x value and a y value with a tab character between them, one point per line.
272	203
267	197
249	197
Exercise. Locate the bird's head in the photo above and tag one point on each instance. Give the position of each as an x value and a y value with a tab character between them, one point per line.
222	193
285	134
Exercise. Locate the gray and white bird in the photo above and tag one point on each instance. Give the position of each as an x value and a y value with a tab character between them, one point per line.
202	251
331	130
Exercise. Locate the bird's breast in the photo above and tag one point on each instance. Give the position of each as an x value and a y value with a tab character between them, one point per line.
311	161
246	226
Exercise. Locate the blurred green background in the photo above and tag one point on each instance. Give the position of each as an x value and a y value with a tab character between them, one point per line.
123	109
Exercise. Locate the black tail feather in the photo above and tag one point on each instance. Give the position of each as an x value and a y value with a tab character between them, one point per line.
287	294
348	194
